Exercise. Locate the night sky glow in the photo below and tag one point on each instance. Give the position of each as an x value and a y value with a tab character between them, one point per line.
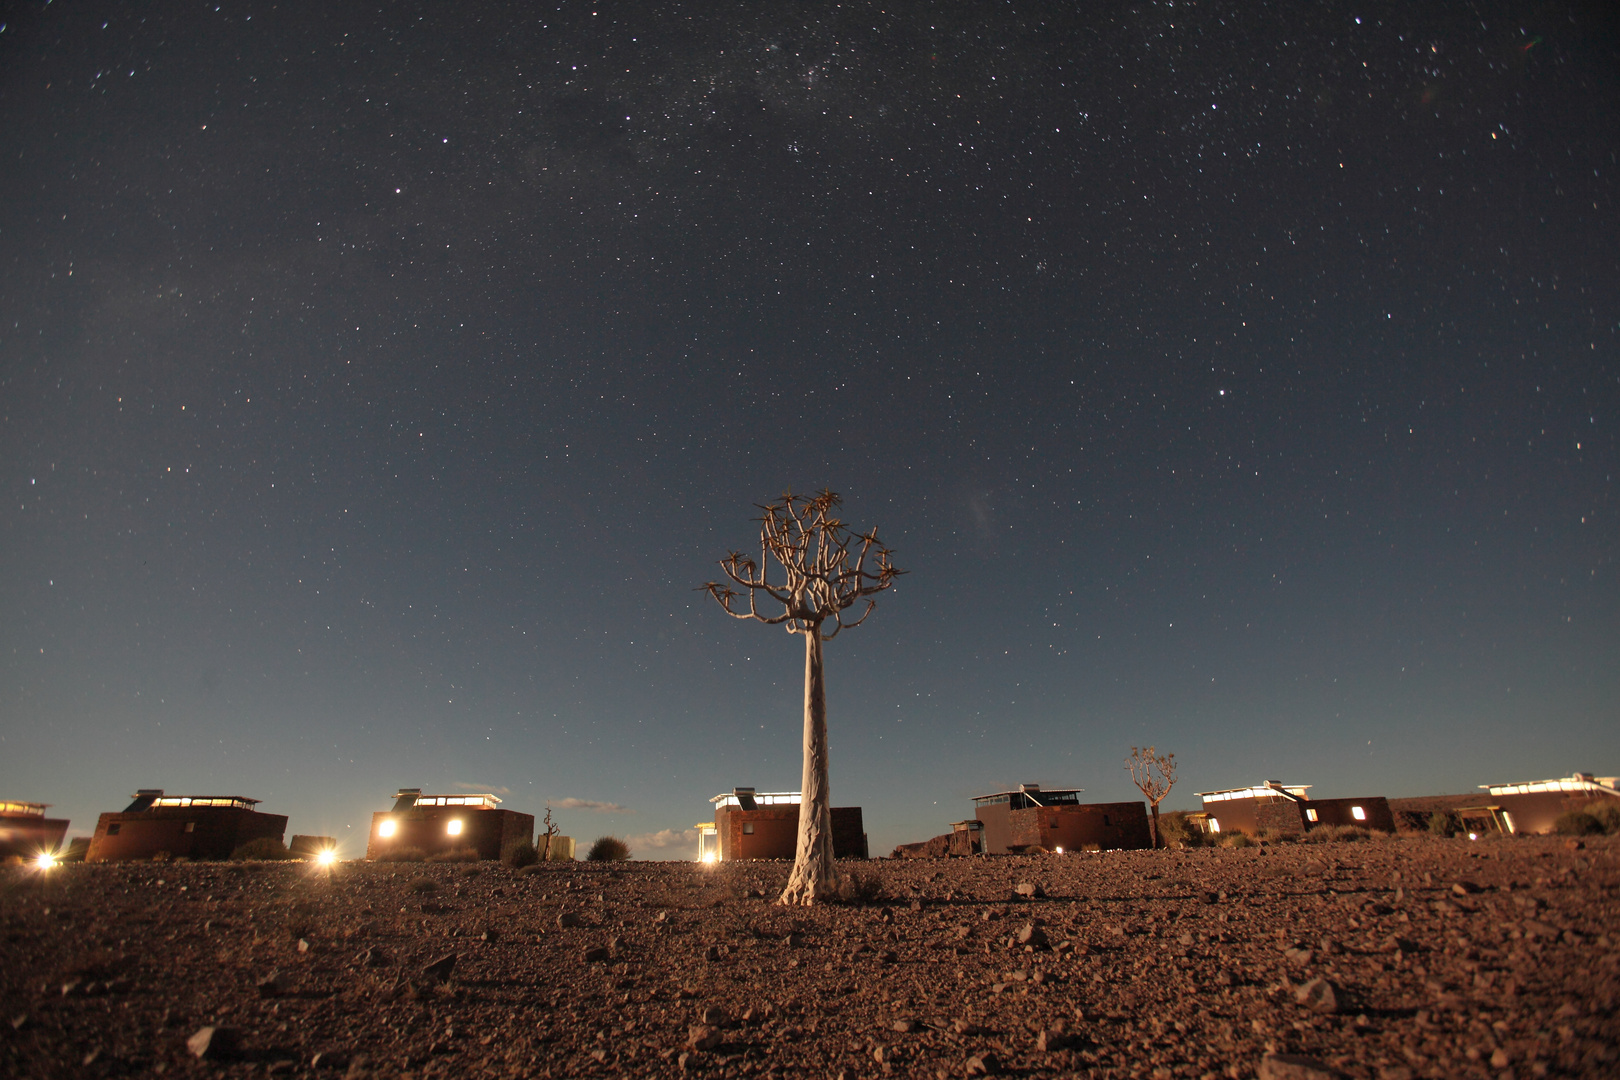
377	388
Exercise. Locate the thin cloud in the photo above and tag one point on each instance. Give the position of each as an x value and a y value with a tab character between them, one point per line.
481	789
662	840
589	804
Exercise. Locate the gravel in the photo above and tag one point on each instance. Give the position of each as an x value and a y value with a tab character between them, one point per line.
1382	960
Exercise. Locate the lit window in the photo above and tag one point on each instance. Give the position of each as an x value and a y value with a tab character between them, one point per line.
1358	813
748	828
1310	815
1214	824
191	826
454	828
386	829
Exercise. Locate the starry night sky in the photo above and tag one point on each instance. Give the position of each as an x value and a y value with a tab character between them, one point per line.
377	388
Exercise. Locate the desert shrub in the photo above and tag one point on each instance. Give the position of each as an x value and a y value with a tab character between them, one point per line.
262	849
1176	831
1277	836
460	854
1607	814
608	849
860	887
520	853
1329	834
537	868
403	854
1577	823
1441	824
423	886
1237	840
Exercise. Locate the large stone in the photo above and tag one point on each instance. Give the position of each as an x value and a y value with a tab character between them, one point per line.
703	1037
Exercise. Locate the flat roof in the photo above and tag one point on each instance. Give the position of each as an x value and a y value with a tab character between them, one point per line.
1257	791
1035	794
17	806
1575	782
484	799
761	798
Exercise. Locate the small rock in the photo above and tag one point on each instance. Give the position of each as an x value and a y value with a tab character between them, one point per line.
375	957
1331	947
795	941
19	1021
595	955
304	946
359	1068
1318	995
214	1043
964	1027
95	1055
702	1037
882	1054
903	1027
1029	890
1032	935
711	953
1463	888
1050	1039
489	936
272	985
1298	955
441	968
568	919
1295	1067
715	1016
687	1061
986	1064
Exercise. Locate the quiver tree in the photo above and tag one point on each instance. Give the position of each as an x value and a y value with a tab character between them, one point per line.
1154	775
810	571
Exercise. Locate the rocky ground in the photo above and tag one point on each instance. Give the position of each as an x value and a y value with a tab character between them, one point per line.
1380	959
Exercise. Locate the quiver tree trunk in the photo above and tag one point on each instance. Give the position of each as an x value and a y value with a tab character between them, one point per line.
815	875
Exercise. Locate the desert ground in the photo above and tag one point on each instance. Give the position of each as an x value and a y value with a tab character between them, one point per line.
1389	958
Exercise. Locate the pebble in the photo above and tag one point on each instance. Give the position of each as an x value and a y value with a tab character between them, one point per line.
1295	1067
440	969
1318	995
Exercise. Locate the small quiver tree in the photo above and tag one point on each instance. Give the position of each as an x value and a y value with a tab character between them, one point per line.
810	571
1154	775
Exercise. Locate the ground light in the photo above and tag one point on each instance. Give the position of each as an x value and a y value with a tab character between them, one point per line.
387	828
710	858
326	857
45	860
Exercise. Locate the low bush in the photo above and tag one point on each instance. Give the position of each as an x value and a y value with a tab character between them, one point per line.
1177	831
262	849
860	887
1577	823
1237	840
1329	834
460	854
423	886
520	853
1607	814
608	849
1442	824
403	854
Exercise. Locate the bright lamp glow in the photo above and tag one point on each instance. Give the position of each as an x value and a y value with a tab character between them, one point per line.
44	860
1060	851
454	828
1358	813
326	857
387	828
709	857
1473	836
